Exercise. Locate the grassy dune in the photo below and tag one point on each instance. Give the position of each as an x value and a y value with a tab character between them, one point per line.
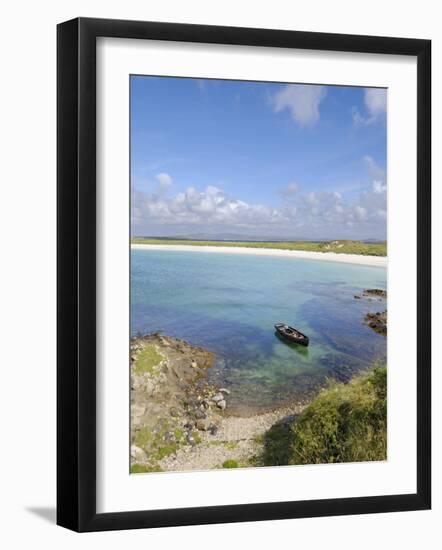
338	247
344	423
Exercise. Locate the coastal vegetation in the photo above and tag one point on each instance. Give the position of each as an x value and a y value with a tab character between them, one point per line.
344	423
337	246
181	421
147	360
178	424
230	464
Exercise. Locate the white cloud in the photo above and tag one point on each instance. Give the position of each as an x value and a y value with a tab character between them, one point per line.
302	101
289	190
373	169
379	187
323	214
192	207
375	101
165	180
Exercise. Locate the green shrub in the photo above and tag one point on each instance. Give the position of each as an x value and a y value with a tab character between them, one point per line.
230	464
344	423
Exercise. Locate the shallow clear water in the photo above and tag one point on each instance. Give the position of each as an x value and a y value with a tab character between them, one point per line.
229	304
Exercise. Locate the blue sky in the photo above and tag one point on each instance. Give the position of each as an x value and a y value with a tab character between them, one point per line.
256	159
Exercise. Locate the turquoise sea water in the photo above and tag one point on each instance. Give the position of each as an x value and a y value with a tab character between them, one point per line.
229	304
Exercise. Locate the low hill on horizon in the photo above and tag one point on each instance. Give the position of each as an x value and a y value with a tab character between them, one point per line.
337	246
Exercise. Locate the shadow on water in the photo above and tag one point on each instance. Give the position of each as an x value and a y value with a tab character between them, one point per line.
302	350
342	328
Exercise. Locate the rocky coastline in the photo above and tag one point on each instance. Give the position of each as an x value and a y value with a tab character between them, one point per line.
377	321
181	422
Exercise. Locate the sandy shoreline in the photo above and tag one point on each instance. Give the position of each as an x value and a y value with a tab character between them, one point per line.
374	261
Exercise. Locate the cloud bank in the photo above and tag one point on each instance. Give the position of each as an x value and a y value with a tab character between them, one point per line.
324	214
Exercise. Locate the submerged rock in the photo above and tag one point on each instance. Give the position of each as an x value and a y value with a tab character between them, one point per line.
371	293
377	321
375	292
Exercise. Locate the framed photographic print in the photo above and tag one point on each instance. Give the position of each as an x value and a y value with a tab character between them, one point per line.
243	274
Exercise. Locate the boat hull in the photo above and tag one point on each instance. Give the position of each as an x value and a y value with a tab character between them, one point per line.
294	336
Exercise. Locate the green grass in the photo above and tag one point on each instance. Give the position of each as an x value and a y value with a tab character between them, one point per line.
230	464
143	437
144	468
179	434
196	437
344	423
155	445
339	246
147	359
165	450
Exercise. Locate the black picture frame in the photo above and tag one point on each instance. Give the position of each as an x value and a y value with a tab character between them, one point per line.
76	273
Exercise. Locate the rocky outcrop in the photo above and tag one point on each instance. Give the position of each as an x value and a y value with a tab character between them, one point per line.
372	293
172	403
378	292
377	321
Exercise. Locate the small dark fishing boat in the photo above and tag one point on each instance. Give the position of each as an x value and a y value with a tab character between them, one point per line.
291	334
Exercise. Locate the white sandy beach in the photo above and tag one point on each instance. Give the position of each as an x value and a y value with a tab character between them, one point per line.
374	261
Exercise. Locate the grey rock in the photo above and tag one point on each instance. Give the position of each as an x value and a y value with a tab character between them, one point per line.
213	429
224	390
200	414
377	321
202	424
218	397
136	452
173	411
221	404
375	292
